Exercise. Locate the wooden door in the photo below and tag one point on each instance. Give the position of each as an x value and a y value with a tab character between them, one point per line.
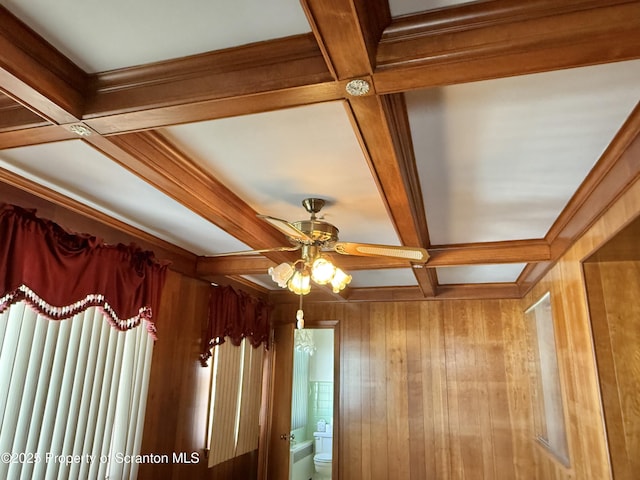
278	461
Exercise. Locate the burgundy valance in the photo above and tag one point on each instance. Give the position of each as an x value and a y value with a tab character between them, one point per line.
235	314
61	273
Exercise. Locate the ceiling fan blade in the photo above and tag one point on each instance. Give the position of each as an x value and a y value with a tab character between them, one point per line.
254	252
412	254
287	228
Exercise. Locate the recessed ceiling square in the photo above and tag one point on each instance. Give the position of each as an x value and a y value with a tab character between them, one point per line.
480	274
500	159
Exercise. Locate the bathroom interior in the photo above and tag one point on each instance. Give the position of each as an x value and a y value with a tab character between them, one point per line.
312	405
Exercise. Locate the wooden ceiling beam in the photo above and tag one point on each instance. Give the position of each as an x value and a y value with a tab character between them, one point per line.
406	294
14	116
381	125
486	253
196	111
487	40
36	75
248	79
157	161
209	267
348	33
445	292
514	251
34	136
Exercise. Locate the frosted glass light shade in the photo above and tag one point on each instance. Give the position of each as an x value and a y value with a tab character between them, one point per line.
322	271
340	280
281	274
300	283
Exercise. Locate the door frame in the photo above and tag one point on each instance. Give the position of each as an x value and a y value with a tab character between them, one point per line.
266	415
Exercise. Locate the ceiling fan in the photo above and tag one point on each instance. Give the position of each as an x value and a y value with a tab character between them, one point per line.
315	235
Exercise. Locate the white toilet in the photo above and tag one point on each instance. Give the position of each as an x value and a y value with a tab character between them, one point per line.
322	456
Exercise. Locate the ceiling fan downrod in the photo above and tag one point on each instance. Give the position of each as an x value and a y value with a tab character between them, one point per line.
313	206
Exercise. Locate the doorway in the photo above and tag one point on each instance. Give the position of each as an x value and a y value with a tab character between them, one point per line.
293	441
612	279
312	404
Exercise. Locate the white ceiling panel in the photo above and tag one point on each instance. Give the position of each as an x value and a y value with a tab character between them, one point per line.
100	183
100	36
274	160
480	274
381	278
499	160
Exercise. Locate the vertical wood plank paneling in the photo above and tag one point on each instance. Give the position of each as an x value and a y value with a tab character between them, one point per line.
491	385
621	281
427	384
429	391
606	369
451	387
518	390
379	410
615	319
352	369
622	285
470	390
483	382
504	428
396	378
368	378
436	410
415	393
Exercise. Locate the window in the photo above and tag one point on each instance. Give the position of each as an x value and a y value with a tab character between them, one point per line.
547	395
235	398
72	395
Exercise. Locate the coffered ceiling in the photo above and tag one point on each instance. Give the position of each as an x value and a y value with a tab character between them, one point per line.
493	132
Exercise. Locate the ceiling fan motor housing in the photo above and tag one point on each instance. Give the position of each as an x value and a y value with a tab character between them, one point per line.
323	234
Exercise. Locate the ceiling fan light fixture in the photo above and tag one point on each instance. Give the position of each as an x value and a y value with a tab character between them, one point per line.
281	274
340	280
314	235
322	271
300	282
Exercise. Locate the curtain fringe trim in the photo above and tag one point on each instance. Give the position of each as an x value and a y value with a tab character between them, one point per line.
62	313
208	353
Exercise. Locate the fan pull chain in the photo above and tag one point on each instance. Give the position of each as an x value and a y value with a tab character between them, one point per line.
300	316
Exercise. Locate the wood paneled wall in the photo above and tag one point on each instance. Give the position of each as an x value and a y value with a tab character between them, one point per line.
177	401
614	306
587	441
431	389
